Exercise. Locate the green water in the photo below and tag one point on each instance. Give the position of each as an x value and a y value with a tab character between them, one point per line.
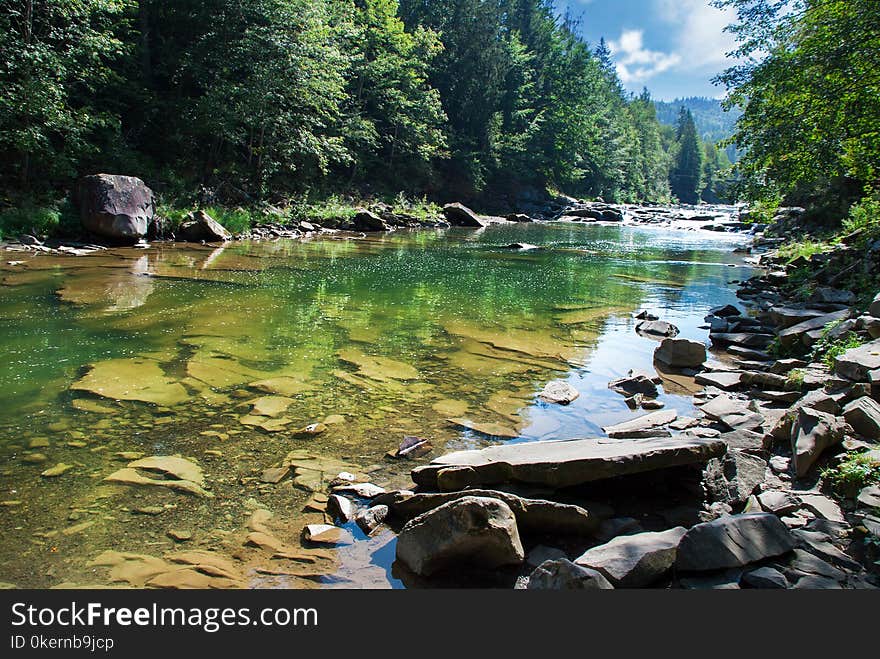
164	351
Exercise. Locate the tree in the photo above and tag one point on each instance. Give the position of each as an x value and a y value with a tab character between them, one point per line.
686	174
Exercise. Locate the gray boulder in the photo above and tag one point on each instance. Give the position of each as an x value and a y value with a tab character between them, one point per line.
765	578
733	541
681	353
657	329
632	561
635	384
119	208
812	433
863	415
364	220
562	574
857	363
459	215
472	531
648	425
199	226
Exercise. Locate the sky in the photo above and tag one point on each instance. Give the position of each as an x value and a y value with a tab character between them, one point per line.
672	47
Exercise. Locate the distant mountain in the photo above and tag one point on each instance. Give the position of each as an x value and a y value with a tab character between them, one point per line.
713	122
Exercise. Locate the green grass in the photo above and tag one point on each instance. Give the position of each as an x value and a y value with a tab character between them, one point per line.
827	349
804	248
40	220
852	474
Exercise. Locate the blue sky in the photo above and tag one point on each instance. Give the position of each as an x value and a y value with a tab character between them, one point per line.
672	47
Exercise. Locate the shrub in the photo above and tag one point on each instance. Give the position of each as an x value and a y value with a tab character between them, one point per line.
852	474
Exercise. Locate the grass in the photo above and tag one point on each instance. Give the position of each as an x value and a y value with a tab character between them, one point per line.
852	474
827	349
40	220
804	248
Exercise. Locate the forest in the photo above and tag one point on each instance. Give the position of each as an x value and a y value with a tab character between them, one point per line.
250	102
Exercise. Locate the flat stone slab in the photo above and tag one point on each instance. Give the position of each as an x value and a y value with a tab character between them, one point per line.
571	462
643	426
722	380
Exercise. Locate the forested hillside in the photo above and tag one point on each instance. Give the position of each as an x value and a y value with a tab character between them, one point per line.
714	122
266	100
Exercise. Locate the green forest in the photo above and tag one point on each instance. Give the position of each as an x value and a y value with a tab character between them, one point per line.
254	102
257	102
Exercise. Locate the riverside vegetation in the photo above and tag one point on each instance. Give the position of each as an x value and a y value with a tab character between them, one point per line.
515	401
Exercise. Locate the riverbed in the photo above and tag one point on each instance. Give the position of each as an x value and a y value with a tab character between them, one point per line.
309	358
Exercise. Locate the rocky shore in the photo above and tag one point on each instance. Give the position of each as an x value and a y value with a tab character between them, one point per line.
741	495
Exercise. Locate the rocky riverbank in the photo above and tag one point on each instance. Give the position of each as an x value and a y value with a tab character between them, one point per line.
755	491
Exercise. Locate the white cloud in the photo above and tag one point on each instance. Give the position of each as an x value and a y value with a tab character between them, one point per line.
701	42
635	63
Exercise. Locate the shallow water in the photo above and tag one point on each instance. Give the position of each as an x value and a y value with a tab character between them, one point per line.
164	352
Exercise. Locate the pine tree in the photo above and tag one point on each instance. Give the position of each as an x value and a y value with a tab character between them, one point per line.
686	175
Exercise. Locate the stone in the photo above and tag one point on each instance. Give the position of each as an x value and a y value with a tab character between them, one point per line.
733	541
536	516
310	430
340	508
657	329
179	536
635	385
869	497
360	490
812	433
57	470
136	379
644	314
562	574
119	208
857	363
459	215
743	440
722	380
371	518
732	478
274	475
785	317
803	562
780	464
643	426
726	311
565	463
823	507
271	406
786	366
779	503
765	578
365	220
487	429
863	415
652	405
542	554
201	227
473	531
633	561
751	340
874	309
681	353
559	392
326	534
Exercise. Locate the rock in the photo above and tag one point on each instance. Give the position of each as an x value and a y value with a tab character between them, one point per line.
310	430
562	574
766	578
796	334
827	295
721	380
364	220
785	317
487	429
611	528
523	247
652	405
632	561
874	309
325	534
869	497
732	478
459	215
536	516
779	503
566	463
786	366
657	329
472	530
681	353
857	363
725	312
633	385
805	563
199	226
371	518
412	448
518	217
559	392
643	426
179	536
751	340
863	415
274	475
57	470
120	208
340	508
176	474
733	541
542	554
822	506
812	433
360	490
780	464
743	440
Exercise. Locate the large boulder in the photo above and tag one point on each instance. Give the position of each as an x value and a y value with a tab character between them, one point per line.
657	329
566	463
632	561
119	208
473	531
812	433
459	215
562	574
732	478
681	353
857	363
199	226
733	541
863	414
364	220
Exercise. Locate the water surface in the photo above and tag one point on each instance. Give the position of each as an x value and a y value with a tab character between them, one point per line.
164	351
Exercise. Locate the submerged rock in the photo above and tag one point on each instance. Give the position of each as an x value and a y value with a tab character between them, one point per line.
657	329
472	531
559	392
